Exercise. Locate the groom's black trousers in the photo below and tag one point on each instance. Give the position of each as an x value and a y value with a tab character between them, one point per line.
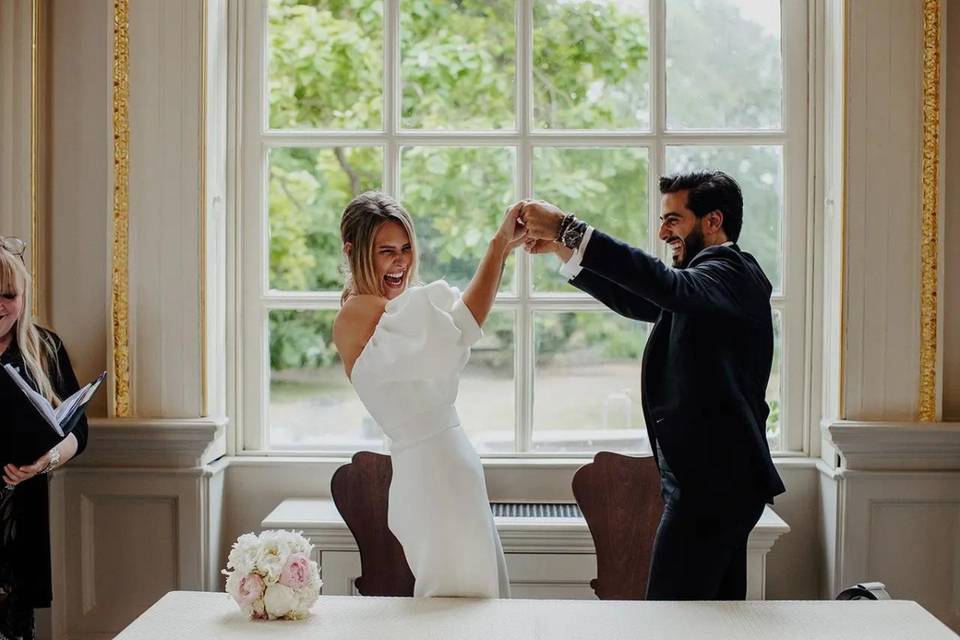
700	552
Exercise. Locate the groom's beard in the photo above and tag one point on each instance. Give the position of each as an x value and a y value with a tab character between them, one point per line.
692	245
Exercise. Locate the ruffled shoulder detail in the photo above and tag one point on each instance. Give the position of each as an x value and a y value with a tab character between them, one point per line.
423	333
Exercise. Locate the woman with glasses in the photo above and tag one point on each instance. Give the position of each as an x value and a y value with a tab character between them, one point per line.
24	524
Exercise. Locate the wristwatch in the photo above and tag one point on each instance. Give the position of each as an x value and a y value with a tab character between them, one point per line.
571	232
53	461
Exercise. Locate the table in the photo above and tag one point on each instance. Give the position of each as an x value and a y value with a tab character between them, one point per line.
188	615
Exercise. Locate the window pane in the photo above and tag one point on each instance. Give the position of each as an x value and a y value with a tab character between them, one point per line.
312	404
457	197
590	64
606	187
587	382
773	387
326	64
724	68
759	171
486	402
457	64
308	190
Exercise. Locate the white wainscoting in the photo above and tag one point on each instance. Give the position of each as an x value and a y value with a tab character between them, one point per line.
903	529
896	445
136	516
898	511
546	557
132	536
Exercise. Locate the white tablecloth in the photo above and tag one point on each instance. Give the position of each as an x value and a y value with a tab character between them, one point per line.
187	615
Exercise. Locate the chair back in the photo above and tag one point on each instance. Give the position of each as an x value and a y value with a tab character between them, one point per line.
620	500
360	491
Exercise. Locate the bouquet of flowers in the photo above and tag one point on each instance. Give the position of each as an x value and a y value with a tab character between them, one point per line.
271	576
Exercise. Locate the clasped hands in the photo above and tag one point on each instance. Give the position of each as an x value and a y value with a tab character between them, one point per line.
14	475
535	224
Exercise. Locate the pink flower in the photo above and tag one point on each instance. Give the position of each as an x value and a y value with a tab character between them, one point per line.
250	590
296	572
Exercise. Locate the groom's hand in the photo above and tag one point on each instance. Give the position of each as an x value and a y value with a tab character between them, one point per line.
534	247
542	220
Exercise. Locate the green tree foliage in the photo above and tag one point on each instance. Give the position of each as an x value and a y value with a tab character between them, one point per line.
457	68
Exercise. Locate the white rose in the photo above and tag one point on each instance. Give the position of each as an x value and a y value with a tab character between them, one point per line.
279	600
243	554
307	596
298	543
233	584
270	563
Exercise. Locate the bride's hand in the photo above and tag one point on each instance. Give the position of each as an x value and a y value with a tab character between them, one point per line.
512	233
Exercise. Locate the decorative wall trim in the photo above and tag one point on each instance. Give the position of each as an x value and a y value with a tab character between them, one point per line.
119	301
35	157
903	446
137	442
928	406
88	585
844	204
204	387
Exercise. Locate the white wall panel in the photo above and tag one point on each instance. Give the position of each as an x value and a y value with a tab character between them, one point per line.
165	147
884	94
15	117
135	534
80	167
903	529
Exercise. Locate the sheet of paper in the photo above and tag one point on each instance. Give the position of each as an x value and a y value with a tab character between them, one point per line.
37	400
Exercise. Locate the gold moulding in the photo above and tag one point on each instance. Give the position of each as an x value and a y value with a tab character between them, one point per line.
121	209
927	410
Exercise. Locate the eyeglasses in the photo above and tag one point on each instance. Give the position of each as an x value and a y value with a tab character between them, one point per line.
16	246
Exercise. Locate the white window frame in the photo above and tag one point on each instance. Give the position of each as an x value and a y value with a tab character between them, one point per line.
254	299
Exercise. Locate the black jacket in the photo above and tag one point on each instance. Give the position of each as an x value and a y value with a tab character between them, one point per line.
30	556
706	363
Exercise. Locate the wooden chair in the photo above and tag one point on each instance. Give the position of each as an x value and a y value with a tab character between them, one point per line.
360	490
620	499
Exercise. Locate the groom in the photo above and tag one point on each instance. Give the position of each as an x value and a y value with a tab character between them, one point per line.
704	377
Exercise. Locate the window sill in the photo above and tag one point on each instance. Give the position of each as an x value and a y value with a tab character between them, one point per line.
492	461
320	521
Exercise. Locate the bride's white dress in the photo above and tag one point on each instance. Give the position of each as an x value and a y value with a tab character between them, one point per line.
407	376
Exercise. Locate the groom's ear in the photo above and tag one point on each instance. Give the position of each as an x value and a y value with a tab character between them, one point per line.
714	220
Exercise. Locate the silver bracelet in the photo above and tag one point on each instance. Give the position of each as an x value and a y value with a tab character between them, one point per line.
53	462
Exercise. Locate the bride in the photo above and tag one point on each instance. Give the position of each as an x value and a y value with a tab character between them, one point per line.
403	348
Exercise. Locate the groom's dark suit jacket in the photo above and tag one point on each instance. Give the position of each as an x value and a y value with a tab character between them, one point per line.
706	364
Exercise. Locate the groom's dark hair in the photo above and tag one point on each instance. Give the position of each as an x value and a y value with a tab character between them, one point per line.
710	191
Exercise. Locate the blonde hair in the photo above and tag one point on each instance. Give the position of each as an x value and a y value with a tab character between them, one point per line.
358	225
37	347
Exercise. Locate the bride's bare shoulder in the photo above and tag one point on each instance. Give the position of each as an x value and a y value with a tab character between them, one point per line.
360	310
353	326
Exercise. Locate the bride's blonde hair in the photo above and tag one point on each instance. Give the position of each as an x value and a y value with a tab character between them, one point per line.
358	226
37	347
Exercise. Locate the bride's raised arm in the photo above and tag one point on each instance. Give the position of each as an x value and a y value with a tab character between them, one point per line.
480	293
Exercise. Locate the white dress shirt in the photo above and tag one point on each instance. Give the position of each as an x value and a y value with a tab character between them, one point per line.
571	268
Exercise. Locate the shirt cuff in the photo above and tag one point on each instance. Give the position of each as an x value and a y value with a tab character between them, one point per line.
571	268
